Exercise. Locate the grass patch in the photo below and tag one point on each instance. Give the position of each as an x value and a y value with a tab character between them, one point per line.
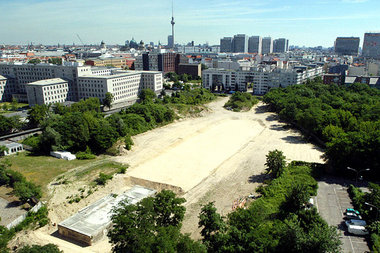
41	170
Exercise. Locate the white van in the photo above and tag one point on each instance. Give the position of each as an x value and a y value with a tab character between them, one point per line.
356	222
357	230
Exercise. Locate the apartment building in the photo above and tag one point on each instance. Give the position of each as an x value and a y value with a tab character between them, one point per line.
3	83
47	91
262	78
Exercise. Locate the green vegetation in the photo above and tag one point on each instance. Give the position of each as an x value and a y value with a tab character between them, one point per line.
275	163
41	170
369	212
347	119
8	107
34	61
184	77
276	222
103	178
48	248
22	188
241	101
152	225
32	221
82	128
55	60
9	125
108	100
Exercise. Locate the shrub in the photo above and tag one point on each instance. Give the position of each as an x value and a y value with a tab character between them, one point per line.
103	178
128	142
85	156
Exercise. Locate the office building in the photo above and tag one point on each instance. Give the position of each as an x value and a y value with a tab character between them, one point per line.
280	45
194	70
267	45
46	84
165	62
254	44
170	41
347	46
240	43
371	45
48	91
226	45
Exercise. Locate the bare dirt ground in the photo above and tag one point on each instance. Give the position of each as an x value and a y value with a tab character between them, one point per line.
217	157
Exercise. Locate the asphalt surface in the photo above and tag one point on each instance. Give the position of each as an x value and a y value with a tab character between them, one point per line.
332	201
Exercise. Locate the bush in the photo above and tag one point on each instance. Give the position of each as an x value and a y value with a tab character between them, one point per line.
48	248
85	156
103	178
128	142
241	101
122	170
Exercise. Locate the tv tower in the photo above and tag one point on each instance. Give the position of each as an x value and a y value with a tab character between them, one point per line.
173	23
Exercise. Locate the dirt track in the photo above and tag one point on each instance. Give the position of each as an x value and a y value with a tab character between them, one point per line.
217	157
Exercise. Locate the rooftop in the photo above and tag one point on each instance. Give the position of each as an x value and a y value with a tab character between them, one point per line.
94	218
49	81
10	144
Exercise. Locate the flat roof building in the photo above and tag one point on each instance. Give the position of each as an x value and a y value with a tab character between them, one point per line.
255	44
47	91
226	45
89	224
347	46
371	45
240	43
267	45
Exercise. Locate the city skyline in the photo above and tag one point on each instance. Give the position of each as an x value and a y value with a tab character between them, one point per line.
312	24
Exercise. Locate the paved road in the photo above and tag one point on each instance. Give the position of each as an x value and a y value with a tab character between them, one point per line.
332	201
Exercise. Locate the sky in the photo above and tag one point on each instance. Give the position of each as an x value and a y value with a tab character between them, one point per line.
303	22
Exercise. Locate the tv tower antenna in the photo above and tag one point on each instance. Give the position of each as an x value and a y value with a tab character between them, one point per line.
173	23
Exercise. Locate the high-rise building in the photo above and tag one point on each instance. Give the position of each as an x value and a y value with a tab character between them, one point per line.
240	43
347	45
170	41
254	44
280	45
267	45
371	45
226	45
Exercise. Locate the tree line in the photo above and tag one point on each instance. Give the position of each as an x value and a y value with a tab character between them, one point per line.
83	128
346	119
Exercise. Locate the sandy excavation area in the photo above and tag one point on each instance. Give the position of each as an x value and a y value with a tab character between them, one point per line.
217	157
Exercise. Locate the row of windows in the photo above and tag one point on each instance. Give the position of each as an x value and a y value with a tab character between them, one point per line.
58	86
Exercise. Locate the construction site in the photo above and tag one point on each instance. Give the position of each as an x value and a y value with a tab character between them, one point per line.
217	157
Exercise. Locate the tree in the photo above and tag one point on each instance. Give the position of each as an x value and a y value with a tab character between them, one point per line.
26	190
48	248
275	163
34	61
296	199
108	100
55	60
211	223
37	114
151	225
147	95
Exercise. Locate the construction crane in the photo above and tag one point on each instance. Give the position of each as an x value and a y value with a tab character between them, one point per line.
80	39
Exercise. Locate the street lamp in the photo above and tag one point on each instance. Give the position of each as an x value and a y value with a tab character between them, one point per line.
357	173
377	213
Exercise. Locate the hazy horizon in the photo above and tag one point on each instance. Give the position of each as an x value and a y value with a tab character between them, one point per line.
311	24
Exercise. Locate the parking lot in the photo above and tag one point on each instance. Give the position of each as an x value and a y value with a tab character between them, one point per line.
332	201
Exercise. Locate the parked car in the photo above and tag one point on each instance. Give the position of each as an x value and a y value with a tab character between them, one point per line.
351	210
356	222
350	215
357	230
